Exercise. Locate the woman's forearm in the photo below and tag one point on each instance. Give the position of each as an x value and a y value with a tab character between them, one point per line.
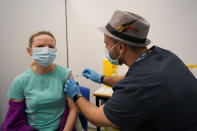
72	116
70	123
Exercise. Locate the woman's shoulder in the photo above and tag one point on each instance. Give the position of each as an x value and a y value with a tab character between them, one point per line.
23	75
16	90
63	72
62	68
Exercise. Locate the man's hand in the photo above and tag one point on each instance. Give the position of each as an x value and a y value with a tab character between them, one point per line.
92	75
71	88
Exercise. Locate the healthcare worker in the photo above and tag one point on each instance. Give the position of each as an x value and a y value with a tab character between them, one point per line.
37	98
158	93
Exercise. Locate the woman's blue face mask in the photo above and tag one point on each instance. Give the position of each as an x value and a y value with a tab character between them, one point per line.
44	55
107	55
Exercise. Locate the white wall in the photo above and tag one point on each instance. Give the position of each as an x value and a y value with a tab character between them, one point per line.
18	20
173	26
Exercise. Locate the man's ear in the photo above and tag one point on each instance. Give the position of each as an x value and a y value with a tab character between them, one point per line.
122	48
29	51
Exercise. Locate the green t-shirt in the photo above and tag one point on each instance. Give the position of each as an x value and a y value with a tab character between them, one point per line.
44	96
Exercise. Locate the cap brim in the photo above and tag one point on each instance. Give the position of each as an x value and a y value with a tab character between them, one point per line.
105	31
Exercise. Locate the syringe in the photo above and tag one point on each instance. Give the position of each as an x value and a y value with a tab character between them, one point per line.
75	76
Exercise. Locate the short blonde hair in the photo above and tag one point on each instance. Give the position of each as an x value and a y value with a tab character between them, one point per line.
39	33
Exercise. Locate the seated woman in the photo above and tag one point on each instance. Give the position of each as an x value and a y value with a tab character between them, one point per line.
37	100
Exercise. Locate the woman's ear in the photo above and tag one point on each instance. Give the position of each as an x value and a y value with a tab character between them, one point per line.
29	51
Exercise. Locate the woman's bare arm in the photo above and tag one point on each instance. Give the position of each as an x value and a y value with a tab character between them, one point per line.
73	113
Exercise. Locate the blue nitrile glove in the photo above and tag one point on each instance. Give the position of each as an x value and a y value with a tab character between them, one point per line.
92	75
71	88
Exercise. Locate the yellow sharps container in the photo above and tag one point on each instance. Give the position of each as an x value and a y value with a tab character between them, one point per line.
109	69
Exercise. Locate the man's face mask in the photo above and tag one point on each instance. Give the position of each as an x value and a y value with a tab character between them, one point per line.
44	55
107	55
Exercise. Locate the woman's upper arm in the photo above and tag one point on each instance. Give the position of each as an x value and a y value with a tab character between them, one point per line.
71	103
16	91
69	75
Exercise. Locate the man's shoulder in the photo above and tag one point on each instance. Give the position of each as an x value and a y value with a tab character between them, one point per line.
157	61
159	49
138	80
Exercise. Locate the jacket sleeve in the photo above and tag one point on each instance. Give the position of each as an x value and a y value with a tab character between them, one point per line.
16	118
